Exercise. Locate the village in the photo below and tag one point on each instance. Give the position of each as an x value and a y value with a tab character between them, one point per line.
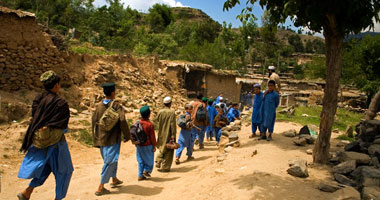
238	167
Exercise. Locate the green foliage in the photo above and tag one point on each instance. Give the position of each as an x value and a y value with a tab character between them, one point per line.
316	68
345	137
361	63
343	118
299	72
296	43
159	17
84	137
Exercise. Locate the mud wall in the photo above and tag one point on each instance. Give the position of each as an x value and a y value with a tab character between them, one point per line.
25	53
226	84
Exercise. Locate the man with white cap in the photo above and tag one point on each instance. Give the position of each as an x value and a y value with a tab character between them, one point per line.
274	76
167	130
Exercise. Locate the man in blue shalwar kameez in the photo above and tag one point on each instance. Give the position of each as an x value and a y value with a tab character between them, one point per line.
233	113
109	142
256	120
50	116
212	112
269	104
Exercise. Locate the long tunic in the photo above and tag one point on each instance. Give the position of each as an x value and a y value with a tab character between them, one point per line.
256	108
268	109
167	128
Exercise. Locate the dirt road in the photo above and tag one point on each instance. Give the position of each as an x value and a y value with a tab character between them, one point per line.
239	176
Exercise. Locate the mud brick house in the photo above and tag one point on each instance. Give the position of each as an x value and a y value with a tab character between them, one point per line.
199	78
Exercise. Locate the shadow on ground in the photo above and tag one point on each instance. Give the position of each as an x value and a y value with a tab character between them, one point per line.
139	190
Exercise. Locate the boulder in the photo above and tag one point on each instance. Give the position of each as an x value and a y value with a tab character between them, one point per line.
371	193
300	141
360	158
367	176
377	141
374	148
328	187
350	132
237	122
233	137
309	139
298	168
309	151
290	133
73	111
235	128
304	130
342	179
353	146
345	167
348	193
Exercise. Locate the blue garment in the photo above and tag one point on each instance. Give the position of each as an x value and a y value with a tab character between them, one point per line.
256	108
211	111
232	114
39	163
268	111
218	133
249	99
110	155
185	140
200	135
145	159
217	100
106	101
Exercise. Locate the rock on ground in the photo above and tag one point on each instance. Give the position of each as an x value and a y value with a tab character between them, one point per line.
300	141
371	193
348	193
290	133
298	168
360	158
342	179
345	167
328	187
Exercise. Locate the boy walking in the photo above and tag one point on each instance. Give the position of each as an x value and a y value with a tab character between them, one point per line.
212	112
270	102
220	121
256	121
185	136
145	152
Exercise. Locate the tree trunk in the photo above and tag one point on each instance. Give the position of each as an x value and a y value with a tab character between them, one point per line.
334	48
374	107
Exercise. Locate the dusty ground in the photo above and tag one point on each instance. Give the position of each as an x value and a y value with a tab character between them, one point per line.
262	176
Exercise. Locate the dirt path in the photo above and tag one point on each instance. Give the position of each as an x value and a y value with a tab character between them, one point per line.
262	176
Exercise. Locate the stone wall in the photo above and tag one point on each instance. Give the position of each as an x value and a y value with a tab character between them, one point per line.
25	52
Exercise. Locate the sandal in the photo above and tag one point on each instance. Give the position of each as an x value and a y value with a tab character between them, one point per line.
142	178
21	197
118	182
103	192
158	165
252	136
177	162
146	174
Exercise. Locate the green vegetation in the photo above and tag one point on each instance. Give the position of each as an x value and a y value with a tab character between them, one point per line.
345	137
343	117
84	136
169	33
85	123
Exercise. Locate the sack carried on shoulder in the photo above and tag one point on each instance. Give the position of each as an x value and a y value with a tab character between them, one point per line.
172	144
182	121
109	118
201	114
46	137
138	133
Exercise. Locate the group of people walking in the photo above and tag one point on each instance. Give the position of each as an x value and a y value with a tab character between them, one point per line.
47	150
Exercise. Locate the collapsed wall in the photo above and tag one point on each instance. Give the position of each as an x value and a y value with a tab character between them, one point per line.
25	51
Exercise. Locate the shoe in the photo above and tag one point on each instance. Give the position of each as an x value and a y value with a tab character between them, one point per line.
252	136
142	178
269	138
163	170
189	158
21	197
177	162
196	142
103	192
201	146
119	182
211	139
158	165
262	138
146	174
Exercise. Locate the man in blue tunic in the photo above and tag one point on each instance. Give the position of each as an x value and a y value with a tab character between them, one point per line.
269	104
109	141
233	113
256	121
212	112
45	143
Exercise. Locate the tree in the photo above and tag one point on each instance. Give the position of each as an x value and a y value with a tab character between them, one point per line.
309	47
159	17
295	41
336	19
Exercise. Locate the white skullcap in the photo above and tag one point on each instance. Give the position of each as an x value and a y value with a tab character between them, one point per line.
271	67
167	100
220	98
